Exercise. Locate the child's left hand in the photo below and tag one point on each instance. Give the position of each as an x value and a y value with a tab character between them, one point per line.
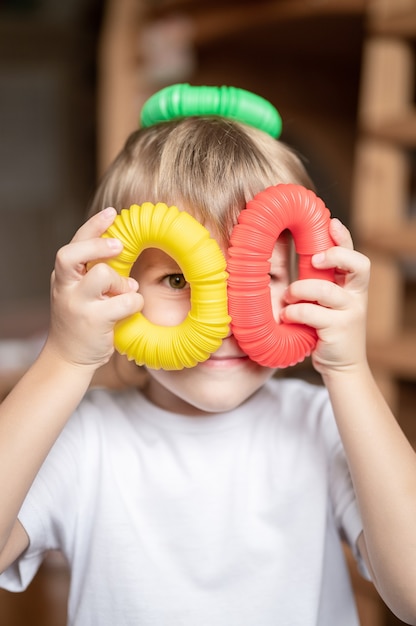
336	310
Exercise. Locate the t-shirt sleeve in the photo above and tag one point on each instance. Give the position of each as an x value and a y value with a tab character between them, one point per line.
47	514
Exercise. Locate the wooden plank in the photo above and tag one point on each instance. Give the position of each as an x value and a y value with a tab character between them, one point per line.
380	193
399	242
212	23
122	86
397	355
396	26
392	17
281	7
385	298
387	80
400	130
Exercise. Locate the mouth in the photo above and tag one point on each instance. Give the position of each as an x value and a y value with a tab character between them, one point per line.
226	360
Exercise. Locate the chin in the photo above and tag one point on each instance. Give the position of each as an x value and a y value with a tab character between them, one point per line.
217	406
216	402
201	391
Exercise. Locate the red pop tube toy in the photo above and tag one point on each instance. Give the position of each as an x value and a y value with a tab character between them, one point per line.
284	206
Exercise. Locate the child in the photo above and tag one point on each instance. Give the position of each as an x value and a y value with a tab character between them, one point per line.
216	494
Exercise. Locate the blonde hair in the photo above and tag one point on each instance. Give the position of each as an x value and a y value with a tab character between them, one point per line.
209	166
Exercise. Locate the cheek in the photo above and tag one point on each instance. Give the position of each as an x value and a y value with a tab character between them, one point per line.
165	310
276	294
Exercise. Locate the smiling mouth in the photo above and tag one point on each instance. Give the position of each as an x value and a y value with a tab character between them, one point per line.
227	357
226	360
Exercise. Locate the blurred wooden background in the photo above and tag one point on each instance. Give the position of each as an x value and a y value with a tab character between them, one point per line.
73	78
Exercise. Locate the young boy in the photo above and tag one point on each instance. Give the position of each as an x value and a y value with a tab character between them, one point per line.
217	494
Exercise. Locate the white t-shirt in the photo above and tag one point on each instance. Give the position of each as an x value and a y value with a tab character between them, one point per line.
232	519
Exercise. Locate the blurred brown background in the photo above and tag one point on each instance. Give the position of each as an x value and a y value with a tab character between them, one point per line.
73	77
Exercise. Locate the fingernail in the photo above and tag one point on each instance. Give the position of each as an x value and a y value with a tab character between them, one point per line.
318	258
114	244
337	223
133	284
108	211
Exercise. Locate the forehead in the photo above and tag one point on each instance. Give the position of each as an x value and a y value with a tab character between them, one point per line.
283	246
152	257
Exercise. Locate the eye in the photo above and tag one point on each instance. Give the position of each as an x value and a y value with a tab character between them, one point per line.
277	276
176	281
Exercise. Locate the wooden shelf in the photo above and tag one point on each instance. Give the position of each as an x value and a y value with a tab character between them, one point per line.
398	242
402	24
398	356
212	21
305	8
383	191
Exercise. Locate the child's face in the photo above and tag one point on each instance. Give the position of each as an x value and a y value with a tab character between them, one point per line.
228	377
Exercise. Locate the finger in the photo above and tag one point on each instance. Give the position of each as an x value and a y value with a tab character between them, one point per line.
322	292
310	314
103	281
72	260
96	225
121	306
116	295
340	234
354	266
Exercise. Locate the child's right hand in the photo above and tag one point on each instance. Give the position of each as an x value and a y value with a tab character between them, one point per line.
87	300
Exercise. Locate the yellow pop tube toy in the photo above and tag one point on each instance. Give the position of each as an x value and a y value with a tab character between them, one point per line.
203	265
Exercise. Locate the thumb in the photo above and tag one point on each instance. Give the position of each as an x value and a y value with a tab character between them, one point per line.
340	234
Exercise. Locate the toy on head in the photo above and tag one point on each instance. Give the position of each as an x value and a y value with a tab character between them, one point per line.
184	100
246	297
